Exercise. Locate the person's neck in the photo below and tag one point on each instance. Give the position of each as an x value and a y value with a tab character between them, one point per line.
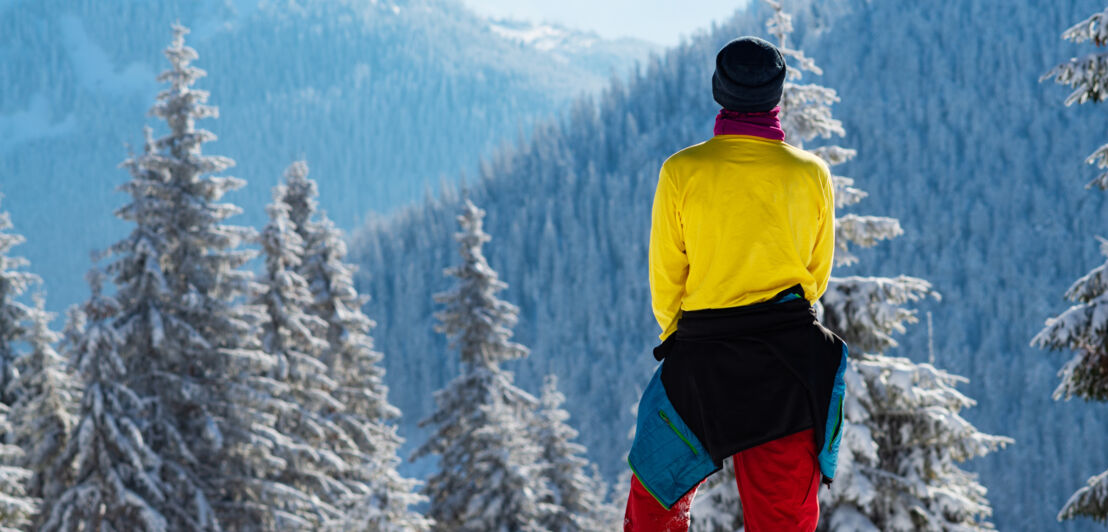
764	124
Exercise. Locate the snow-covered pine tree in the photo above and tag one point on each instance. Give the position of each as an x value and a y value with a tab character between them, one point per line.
144	301
189	341
115	484
578	493
42	419
1083	327
903	434
306	435
380	497
13	314
490	472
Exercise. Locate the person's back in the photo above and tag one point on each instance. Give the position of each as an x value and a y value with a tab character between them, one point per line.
741	245
747	217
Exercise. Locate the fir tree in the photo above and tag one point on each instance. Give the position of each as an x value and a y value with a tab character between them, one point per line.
17	507
116	484
902	435
577	493
305	431
13	313
379	498
490	475
42	418
189	342
1083	327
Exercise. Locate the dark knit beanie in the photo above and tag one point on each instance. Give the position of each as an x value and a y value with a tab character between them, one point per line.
749	77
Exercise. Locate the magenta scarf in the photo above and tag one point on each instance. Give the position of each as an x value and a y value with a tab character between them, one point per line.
764	124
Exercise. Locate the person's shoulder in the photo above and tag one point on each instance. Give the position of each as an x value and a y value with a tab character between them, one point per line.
691	154
805	158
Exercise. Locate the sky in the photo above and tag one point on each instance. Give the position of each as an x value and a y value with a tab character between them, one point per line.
663	22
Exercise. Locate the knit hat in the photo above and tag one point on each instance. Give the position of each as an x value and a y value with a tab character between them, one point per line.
749	76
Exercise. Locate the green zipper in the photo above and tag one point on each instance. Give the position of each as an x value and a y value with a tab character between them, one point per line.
677	432
838	426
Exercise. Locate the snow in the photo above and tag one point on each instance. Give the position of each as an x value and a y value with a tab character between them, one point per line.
546	38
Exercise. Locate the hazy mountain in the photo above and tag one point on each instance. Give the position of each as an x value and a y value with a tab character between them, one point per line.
384	99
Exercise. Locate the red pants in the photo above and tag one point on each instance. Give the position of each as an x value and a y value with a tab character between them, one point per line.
778	485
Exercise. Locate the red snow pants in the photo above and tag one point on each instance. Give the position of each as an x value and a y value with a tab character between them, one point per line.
778	485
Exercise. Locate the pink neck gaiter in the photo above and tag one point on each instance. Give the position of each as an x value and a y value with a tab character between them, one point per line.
765	124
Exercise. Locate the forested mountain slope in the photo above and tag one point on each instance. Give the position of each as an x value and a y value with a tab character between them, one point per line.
956	137
383	97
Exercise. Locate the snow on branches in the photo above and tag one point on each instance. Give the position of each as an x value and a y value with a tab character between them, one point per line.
115	484
913	414
867	311
1083	328
1088	77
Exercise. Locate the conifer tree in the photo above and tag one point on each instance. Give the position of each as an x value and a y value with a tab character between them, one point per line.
1083	328
188	340
380	498
43	418
903	436
13	314
115	482
577	493
17	507
490	472
303	414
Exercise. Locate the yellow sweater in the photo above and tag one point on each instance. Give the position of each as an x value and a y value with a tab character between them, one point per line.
736	220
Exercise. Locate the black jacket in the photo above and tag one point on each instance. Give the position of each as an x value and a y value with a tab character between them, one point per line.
744	376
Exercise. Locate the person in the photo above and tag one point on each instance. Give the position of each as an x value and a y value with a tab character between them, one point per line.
741	247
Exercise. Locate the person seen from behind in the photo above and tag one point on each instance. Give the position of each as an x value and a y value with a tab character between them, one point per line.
741	246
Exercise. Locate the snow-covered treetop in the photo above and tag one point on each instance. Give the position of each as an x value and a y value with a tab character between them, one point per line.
13	282
300	195
478	323
552	399
805	109
282	245
179	104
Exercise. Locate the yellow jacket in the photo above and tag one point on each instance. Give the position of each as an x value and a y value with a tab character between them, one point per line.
736	220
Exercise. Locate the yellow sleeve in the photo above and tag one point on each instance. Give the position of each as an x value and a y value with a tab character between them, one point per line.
823	254
669	266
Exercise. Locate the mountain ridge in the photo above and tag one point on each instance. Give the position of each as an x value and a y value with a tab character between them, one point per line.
357	87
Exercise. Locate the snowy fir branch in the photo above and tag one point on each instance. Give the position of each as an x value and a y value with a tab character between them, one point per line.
1086	75
1083	328
862	231
1094	28
1090	501
1100	159
867	311
846	194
